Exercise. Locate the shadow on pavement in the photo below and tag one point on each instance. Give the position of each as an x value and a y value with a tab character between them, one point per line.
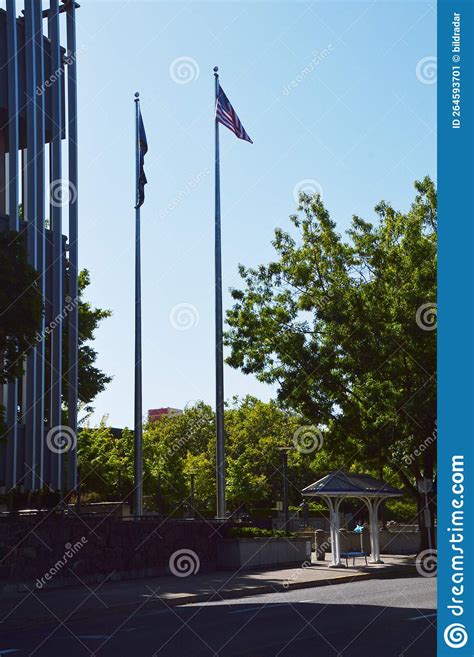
247	629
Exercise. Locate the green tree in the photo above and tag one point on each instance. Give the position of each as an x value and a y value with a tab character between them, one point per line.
178	448
91	380
344	328
105	460
255	432
173	449
20	305
20	309
183	446
20	322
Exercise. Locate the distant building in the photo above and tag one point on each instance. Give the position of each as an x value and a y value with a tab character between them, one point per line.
155	414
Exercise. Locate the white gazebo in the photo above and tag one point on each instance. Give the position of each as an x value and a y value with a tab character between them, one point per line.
339	485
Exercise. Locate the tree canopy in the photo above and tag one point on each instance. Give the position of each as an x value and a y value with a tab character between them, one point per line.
20	304
20	322
177	448
181	448
92	380
344	327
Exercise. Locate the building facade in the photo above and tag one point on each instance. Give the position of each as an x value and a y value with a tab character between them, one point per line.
38	143
155	414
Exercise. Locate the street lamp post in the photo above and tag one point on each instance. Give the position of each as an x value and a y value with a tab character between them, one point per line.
284	458
425	486
158	493
191	496
305	510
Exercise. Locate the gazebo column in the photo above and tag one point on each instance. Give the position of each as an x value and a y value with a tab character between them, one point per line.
377	504
373	506
368	503
334	505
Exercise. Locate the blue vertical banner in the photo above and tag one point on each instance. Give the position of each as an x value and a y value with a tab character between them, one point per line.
455	328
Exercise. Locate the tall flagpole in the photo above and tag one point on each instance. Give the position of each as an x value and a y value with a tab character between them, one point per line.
73	337
220	438
138	463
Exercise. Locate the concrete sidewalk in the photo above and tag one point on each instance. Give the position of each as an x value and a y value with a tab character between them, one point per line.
33	607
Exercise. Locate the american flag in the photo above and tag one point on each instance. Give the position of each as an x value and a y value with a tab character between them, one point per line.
226	115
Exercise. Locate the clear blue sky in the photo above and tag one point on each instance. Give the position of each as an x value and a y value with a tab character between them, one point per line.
360	123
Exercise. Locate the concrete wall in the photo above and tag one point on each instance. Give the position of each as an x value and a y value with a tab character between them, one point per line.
399	542
391	542
296	522
248	553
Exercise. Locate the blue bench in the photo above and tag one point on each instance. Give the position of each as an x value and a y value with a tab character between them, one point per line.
347	555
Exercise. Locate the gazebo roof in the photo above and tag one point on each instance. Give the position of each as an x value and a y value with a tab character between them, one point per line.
347	484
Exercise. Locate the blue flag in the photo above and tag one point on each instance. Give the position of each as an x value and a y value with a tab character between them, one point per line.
142	149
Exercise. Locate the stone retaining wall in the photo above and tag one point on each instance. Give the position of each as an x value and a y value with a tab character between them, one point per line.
50	551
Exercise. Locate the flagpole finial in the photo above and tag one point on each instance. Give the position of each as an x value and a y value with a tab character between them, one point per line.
137	96
216	71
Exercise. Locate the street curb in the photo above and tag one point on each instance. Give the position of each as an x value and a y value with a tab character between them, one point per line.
194	598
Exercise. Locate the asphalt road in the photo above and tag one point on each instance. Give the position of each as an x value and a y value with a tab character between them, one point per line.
374	618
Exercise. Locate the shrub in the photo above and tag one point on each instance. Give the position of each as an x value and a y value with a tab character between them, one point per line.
263	512
401	511
256	532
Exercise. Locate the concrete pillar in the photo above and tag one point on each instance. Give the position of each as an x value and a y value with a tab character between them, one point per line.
321	544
